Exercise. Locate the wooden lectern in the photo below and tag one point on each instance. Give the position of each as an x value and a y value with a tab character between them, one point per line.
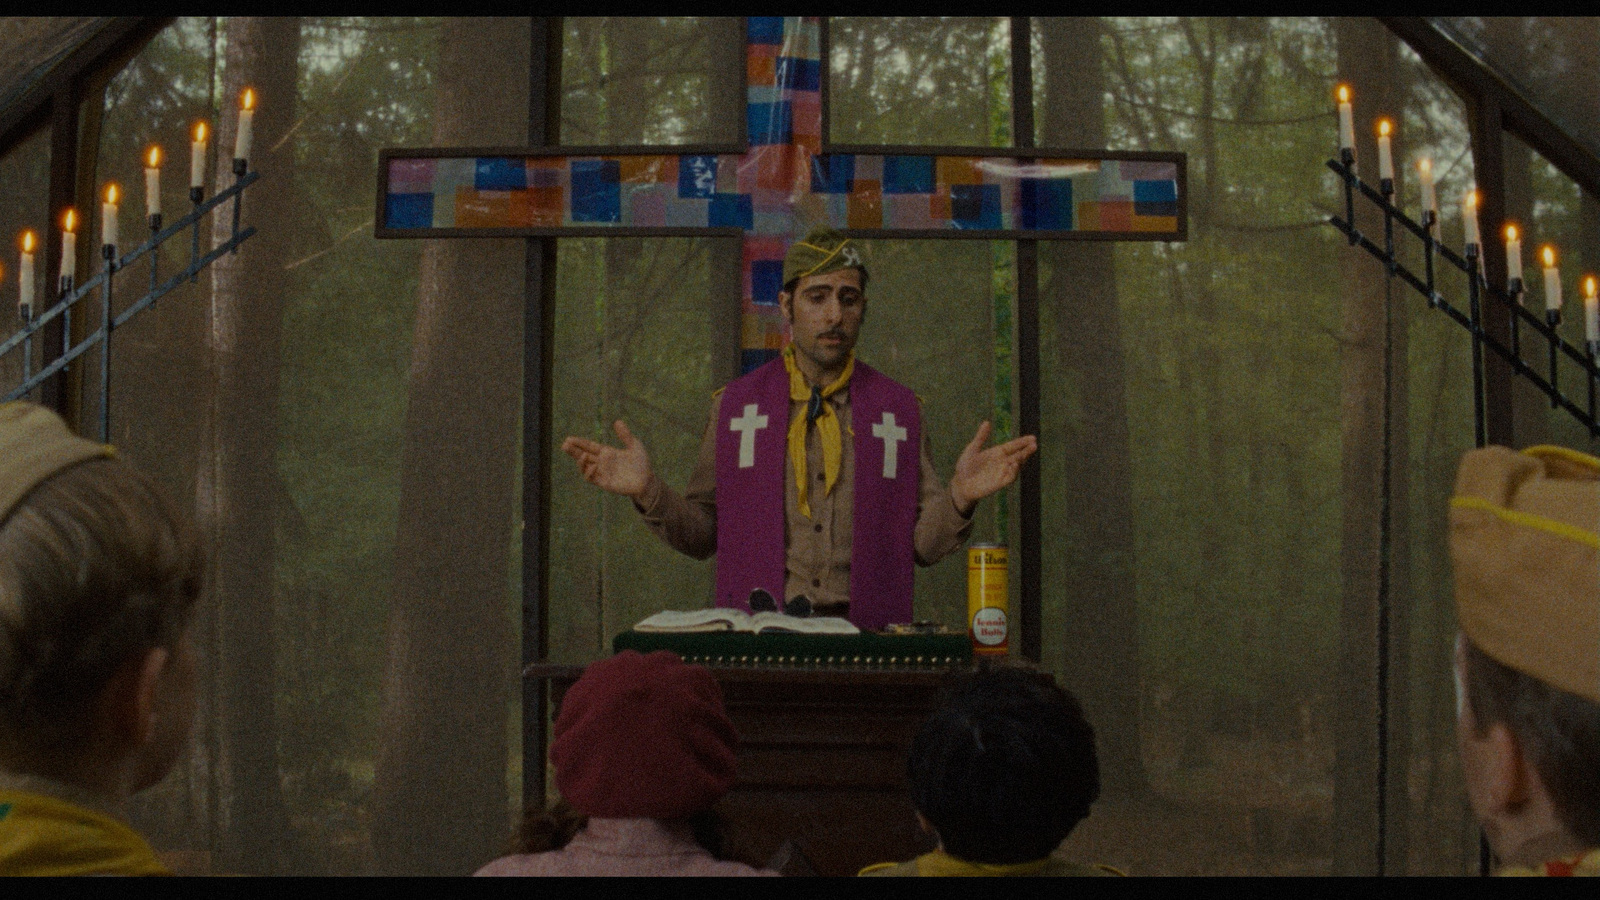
822	757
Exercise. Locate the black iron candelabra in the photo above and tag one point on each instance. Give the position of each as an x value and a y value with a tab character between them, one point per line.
1521	321
104	281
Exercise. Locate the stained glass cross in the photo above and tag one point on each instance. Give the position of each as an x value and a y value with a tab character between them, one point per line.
785	181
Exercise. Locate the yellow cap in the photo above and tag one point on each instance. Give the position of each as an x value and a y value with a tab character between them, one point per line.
35	444
823	250
1525	544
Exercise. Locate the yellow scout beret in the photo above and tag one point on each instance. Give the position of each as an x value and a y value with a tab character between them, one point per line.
823	250
35	444
1525	544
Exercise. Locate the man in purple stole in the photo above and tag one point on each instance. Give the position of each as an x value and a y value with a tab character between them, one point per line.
806	482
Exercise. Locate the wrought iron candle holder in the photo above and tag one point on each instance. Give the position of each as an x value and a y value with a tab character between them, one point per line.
1520	320
104	281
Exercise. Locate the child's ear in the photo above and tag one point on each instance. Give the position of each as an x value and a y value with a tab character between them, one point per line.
128	702
1509	770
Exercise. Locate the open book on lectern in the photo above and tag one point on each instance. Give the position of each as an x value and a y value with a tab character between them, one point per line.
718	619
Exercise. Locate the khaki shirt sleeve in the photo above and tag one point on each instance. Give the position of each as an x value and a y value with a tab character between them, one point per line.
941	529
687	523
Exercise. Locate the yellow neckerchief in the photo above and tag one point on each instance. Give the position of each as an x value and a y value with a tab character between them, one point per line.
827	428
1586	863
43	835
940	863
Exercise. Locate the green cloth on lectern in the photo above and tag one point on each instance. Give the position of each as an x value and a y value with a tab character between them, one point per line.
811	649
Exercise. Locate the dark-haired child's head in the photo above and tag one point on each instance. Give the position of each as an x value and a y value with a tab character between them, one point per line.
1005	769
99	575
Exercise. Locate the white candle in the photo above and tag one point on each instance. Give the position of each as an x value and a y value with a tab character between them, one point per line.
1552	281
1469	217
1591	310
69	246
108	217
1513	255
247	114
1385	156
152	182
1430	199
197	157
25	271
1347	125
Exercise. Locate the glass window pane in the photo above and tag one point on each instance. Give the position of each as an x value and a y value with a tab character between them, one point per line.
939	321
1210	441
365	356
24	205
920	81
640	80
636	333
1553	212
1549	60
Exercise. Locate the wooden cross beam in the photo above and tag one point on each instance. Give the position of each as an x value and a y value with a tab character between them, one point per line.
782	180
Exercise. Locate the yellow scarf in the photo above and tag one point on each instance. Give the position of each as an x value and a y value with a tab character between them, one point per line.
941	863
42	835
827	427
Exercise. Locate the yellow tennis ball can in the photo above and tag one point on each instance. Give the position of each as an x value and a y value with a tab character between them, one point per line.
986	599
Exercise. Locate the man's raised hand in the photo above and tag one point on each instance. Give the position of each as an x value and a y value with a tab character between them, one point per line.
624	470
983	471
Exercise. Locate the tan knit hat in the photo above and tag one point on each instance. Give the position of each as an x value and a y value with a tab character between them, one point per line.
35	444
1525	543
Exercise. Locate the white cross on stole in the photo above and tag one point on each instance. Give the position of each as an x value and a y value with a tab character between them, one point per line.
892	435
747	425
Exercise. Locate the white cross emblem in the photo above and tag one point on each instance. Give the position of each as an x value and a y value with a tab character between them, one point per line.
747	425
892	435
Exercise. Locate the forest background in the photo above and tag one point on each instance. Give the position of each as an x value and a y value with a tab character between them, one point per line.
342	415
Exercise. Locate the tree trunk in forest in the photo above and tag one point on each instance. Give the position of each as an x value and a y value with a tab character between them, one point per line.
1508	43
1581	35
627	88
1400	604
440	801
1101	624
243	334
1367	59
727	98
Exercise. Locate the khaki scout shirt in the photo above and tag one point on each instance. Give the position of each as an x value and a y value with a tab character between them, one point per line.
818	558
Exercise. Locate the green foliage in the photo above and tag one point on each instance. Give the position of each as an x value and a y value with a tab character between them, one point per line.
668	64
912	80
634	332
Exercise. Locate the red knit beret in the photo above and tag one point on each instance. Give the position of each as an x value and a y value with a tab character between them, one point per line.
643	736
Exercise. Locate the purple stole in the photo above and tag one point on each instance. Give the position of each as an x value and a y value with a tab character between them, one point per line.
752	451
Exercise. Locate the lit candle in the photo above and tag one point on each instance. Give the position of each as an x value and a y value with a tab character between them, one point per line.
1469	217
108	217
247	114
1430	200
152	182
1591	310
1347	126
1513	256
197	157
1385	157
69	246
1552	280
25	272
